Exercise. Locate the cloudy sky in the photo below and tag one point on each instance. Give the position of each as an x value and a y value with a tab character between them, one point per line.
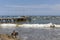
29	7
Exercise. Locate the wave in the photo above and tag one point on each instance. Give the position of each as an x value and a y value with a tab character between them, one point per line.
4	25
28	25
39	25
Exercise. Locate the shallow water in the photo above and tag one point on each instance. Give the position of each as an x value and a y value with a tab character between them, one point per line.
35	34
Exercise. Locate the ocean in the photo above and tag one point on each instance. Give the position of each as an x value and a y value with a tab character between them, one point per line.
31	33
34	34
44	19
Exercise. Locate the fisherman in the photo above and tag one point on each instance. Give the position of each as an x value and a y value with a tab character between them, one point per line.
14	34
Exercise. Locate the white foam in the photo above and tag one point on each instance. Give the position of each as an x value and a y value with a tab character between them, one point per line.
7	25
28	25
38	25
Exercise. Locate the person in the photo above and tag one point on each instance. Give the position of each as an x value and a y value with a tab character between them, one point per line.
14	34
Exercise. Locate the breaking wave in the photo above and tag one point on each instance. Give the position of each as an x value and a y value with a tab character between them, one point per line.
7	25
28	25
39	25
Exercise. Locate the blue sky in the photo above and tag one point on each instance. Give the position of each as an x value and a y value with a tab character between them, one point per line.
29	7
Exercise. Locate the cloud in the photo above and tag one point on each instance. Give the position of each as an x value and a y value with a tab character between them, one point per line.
29	6
54	6
43	9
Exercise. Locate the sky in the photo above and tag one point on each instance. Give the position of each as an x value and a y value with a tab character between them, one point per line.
30	7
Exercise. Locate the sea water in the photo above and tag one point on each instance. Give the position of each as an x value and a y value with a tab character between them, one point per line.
45	19
35	33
